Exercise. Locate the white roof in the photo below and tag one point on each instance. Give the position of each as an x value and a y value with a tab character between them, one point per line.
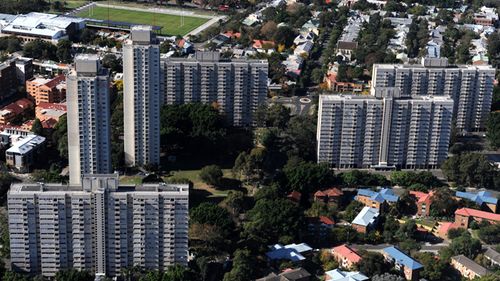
26	144
41	24
366	217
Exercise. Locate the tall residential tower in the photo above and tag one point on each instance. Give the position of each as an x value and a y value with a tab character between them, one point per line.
470	86
89	145
98	225
142	97
238	87
384	131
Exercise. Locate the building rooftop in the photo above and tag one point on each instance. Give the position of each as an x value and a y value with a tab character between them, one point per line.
291	252
331	192
470	265
348	253
478	214
40	24
339	275
479	197
492	255
383	195
25	144
421	196
366	216
401	258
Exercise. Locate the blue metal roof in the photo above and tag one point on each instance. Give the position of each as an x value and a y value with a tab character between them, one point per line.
385	194
480	197
401	258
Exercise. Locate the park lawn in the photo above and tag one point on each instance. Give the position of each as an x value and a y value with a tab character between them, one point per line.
193	176
171	23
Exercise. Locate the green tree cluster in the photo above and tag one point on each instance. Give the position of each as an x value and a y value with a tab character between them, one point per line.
211	175
493	130
471	169
39	49
421	180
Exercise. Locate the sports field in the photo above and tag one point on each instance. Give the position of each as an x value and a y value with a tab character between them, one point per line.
171	24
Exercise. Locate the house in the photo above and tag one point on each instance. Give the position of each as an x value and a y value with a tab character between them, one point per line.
263	45
345	256
298	274
342	87
464	216
49	90
220	39
185	46
304	49
492	256
467	267
25	149
444	228
424	201
302	38
13	110
410	267
365	220
339	275
291	252
482	198
251	19
330	196
486	16
311	25
375	199
319	226
293	65
50	111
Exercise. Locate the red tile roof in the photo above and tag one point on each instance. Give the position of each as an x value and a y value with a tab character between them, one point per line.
348	253
53	106
445	227
326	220
478	214
421	196
332	192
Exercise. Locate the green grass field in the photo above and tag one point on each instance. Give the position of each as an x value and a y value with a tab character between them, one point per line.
171	23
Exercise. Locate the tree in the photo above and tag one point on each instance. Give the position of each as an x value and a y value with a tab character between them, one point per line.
373	264
87	36
466	245
208	213
37	127
434	269
73	275
443	204
268	30
211	175
307	176
178	273
60	137
408	230
352	210
39	49
63	52
112	62
493	130
284	35
490	234
471	169
455	232
234	202
317	75
276	115
269	219
391	226
356	178
300	138
242	267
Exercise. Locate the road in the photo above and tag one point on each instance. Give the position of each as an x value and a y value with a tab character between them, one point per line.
297	105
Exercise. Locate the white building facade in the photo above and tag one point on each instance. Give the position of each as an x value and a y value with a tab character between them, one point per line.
142	98
89	147
237	86
470	86
384	131
100	226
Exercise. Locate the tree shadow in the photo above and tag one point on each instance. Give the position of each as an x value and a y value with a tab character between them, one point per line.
231	184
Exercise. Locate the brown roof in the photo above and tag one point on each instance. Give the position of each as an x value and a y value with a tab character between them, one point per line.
347	45
471	265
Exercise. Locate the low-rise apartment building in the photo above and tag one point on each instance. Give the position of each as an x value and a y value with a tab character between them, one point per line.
48	90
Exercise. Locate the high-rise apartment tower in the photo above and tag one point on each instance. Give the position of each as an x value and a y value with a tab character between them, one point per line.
98	225
89	148
142	98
